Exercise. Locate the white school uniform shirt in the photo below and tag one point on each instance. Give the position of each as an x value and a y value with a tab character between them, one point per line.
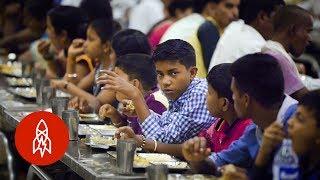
75	3
238	39
146	14
184	28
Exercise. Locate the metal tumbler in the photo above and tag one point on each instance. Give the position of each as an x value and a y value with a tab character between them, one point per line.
48	93
59	104
71	118
157	172
125	156
40	84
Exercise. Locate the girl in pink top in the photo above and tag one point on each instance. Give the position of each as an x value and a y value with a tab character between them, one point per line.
176	9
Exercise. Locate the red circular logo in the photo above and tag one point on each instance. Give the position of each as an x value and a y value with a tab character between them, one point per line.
42	138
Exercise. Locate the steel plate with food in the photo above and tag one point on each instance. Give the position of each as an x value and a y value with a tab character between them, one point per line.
143	160
27	92
11	69
90	118
19	82
99	141
30	92
90	129
106	130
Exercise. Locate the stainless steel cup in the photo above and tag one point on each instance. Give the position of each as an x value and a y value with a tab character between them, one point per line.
48	93
27	68
125	156
24	69
71	118
40	84
157	172
59	104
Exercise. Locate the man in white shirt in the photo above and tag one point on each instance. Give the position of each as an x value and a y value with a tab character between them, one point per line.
292	27
184	28
188	26
75	3
247	35
146	14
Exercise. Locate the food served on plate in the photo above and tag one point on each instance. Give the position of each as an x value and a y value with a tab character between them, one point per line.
24	92
140	161
103	127
19	81
102	140
93	115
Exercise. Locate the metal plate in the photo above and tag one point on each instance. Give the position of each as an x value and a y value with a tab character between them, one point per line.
143	160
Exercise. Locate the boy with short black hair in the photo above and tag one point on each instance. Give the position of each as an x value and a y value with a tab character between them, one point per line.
137	70
304	131
187	114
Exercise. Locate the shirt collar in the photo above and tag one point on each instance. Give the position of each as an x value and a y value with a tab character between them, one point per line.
276	46
287	102
184	95
213	21
154	89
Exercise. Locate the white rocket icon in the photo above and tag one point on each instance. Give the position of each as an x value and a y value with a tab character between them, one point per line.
41	142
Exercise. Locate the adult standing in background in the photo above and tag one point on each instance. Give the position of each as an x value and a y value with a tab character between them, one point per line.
249	34
177	9
147	13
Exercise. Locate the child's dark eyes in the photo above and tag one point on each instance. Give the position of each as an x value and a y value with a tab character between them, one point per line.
160	75
173	73
229	5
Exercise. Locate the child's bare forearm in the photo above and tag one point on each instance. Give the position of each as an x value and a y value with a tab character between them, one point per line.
141	107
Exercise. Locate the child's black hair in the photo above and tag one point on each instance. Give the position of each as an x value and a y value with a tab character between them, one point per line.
139	66
175	50
179	5
97	9
311	101
219	78
70	19
104	29
38	8
260	76
130	41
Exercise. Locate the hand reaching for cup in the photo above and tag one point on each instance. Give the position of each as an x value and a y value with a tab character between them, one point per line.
74	103
58	84
127	132
80	104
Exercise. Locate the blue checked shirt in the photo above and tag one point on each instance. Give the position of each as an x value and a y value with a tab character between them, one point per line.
184	119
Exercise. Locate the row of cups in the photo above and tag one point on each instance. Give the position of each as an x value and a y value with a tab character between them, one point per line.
46	98
126	149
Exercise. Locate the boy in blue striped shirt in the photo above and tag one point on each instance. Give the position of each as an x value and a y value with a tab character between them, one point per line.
188	113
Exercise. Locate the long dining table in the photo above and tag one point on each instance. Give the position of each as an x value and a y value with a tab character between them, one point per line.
85	161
